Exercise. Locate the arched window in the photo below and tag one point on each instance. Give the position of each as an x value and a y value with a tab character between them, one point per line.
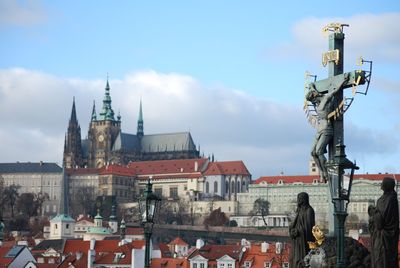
238	187
232	187
226	187
207	187
215	187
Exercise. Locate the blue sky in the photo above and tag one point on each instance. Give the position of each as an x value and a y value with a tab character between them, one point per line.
231	72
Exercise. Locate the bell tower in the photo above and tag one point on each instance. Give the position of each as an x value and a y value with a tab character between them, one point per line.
103	131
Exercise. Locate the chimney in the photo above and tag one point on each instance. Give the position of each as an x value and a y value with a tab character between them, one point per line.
264	247
78	255
91	253
137	258
199	243
278	247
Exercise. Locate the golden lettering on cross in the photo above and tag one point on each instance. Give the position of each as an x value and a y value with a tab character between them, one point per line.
331	55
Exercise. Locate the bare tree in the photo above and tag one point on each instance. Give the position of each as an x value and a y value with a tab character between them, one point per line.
10	195
83	200
261	206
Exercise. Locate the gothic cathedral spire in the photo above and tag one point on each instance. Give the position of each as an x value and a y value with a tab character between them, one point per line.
94	116
72	147
107	112
140	131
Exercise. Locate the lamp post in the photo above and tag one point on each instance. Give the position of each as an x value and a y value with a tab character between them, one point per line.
148	204
341	172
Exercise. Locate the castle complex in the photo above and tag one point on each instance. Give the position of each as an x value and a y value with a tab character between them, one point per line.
107	144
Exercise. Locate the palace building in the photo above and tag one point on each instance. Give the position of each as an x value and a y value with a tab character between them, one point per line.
106	143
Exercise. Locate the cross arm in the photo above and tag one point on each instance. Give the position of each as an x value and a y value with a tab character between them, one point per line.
328	84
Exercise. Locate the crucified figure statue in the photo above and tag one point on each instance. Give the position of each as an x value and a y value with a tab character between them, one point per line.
323	104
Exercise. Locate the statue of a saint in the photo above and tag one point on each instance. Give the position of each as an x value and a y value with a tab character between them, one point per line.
384	227
323	104
300	231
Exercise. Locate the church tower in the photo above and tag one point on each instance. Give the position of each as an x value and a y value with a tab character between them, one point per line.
103	131
72	146
140	132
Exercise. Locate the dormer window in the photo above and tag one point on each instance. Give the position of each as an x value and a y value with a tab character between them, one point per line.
315	181
280	182
247	264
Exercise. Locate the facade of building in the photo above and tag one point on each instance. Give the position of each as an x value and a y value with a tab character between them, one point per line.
172	179
281	193
36	178
106	143
226	179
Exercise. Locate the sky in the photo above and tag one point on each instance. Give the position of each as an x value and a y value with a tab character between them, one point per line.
230	72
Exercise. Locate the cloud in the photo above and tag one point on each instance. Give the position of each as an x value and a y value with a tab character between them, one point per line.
268	136
373	36
21	13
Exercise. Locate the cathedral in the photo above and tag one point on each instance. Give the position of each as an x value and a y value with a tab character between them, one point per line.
106	143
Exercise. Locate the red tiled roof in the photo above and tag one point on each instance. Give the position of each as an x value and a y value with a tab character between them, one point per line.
46	265
169	263
72	246
165	252
72	258
168	166
110	258
78	171
3	252
311	178
258	258
134	231
227	168
213	252
117	170
84	218
178	241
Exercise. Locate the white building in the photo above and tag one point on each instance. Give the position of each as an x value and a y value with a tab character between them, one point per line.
41	177
281	192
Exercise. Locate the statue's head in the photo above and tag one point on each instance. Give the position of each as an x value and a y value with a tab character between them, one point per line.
312	93
388	184
303	199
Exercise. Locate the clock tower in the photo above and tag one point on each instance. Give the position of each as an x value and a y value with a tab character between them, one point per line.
103	131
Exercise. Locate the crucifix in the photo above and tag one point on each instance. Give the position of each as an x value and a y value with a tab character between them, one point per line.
329	105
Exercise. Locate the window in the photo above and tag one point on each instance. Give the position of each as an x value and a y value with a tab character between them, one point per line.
226	187
194	265
173	192
285	265
267	264
215	187
67	226
158	192
247	264
207	187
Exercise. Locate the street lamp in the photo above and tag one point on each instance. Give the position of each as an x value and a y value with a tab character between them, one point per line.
341	172
148	204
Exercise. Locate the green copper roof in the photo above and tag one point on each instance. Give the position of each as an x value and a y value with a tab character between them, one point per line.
62	217
98	230
107	112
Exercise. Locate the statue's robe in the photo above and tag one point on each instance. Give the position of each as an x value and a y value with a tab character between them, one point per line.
385	234
302	226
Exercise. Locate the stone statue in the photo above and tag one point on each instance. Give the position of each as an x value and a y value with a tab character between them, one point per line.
323	104
384	227
300	231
